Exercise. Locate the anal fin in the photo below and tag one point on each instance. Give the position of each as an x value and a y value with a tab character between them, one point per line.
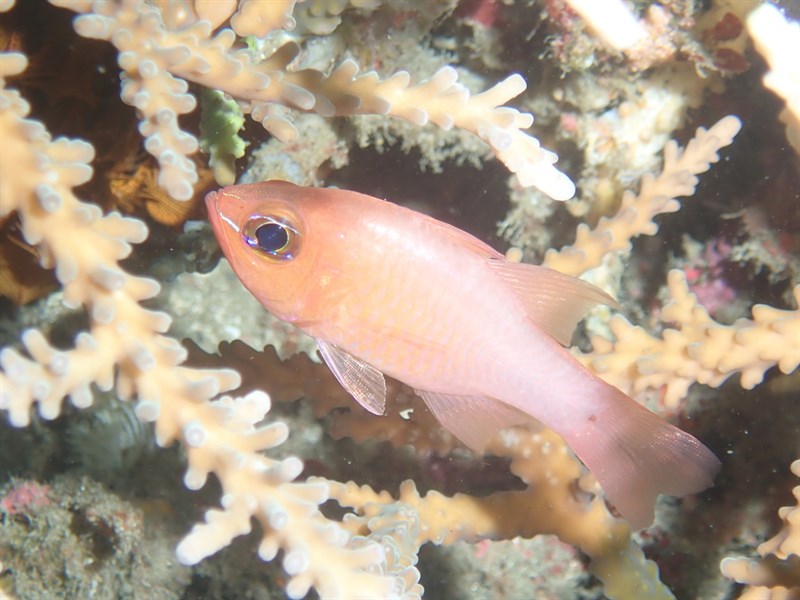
472	419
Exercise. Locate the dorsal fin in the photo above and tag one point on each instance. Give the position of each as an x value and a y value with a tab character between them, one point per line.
554	301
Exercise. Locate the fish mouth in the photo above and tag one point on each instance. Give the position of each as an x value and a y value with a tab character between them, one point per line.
211	208
216	216
211	201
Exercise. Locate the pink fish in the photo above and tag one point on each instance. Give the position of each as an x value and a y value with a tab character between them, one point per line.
384	289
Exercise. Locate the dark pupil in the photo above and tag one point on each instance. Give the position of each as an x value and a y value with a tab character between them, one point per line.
272	237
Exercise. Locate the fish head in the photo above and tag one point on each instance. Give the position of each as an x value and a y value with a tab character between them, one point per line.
263	230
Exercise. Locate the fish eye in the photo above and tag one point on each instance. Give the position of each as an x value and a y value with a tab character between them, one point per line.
272	236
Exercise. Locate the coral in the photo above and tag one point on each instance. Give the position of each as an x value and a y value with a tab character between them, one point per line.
75	95
220	122
72	523
778	40
777	573
657	195
612	20
158	61
356	530
125	348
698	349
645	35
20	279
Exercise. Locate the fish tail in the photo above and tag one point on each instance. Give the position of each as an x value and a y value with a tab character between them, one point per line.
636	455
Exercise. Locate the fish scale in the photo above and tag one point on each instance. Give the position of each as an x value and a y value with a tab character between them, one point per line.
443	341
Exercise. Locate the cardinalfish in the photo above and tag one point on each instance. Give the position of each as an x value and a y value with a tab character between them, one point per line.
386	290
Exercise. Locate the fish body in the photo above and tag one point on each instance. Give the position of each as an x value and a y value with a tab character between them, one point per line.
386	290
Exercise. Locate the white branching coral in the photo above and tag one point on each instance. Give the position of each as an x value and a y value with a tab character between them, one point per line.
697	349
125	348
316	552
372	551
612	20
775	575
658	195
778	40
157	61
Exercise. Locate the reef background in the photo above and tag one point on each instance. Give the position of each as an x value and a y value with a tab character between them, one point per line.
90	507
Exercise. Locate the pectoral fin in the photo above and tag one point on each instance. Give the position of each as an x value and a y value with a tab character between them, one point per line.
554	301
362	381
472	419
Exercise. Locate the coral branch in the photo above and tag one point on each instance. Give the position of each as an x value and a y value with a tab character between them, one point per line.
778	41
168	49
776	574
157	62
656	196
125	348
548	506
699	349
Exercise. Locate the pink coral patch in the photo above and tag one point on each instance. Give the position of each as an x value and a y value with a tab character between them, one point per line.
25	496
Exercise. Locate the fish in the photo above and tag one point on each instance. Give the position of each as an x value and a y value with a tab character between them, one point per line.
385	290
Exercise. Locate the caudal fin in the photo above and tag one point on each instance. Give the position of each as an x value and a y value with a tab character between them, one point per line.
636	456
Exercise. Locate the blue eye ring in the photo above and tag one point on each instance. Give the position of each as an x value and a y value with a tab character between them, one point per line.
273	237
